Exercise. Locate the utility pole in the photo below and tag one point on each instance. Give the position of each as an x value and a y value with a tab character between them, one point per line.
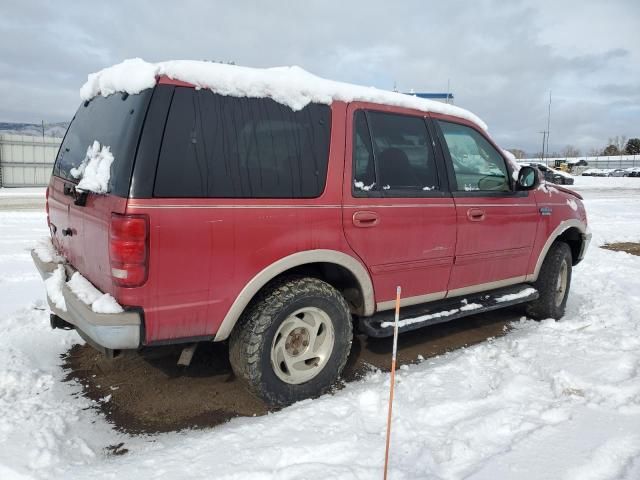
544	137
548	122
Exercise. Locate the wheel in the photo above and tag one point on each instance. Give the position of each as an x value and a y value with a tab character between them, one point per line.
553	284
293	341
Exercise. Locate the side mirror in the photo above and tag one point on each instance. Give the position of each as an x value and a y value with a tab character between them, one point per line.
527	178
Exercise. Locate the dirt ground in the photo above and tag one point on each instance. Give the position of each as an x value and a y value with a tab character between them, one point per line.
149	393
629	247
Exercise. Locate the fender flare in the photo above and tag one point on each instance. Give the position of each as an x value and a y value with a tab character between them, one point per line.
295	260
559	230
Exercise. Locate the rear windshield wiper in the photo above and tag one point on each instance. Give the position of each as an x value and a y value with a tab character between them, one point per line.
79	196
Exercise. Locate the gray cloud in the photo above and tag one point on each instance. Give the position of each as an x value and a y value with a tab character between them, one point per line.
501	58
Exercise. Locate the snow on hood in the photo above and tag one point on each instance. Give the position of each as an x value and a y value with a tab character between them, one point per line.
95	170
290	86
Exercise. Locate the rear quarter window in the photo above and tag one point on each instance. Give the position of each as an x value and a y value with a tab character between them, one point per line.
228	147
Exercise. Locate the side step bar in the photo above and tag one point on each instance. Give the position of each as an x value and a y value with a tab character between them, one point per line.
417	316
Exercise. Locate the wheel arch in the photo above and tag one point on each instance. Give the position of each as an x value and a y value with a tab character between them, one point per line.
340	270
574	233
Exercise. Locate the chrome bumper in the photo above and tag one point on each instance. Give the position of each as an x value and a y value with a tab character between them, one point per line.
114	331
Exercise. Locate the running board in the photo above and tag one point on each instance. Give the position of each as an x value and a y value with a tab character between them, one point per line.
418	316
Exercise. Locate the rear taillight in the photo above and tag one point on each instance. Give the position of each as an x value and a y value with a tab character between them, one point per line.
129	249
46	206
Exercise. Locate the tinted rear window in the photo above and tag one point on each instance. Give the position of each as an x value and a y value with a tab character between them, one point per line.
227	147
114	121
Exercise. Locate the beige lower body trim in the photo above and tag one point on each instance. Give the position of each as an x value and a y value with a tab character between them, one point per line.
482	287
559	230
297	259
405	302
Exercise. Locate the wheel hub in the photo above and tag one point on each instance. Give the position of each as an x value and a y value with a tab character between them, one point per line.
297	341
302	345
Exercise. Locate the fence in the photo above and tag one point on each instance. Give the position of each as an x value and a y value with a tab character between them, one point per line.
26	161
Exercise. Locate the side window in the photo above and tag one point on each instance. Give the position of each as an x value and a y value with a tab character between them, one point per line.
364	173
228	147
393	155
476	163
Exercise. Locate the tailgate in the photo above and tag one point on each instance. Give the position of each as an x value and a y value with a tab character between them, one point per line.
81	232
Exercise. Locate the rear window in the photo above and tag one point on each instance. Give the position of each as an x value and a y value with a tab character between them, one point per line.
228	147
114	121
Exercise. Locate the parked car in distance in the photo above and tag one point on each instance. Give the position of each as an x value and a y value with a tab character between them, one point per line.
618	172
597	172
279	212
553	175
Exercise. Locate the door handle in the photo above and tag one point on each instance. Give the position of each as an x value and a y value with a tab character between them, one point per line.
475	214
365	219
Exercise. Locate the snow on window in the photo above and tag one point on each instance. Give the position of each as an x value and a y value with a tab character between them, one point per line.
46	251
515	166
91	296
470	188
428	189
386	187
361	186
54	284
95	170
291	86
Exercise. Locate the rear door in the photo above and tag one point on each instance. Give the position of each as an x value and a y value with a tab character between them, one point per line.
398	216
81	232
496	224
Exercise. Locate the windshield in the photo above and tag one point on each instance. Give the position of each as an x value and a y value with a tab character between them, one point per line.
114	121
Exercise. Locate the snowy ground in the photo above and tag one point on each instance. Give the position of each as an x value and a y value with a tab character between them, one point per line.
548	400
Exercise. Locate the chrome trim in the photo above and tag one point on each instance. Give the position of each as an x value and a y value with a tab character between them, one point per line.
286	263
267	207
404	205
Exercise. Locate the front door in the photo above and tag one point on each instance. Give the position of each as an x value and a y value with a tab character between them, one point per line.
496	224
398	217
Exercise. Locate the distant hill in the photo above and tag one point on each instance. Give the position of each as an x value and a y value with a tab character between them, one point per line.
34	129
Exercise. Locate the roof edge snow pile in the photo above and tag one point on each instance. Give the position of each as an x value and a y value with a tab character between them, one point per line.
290	86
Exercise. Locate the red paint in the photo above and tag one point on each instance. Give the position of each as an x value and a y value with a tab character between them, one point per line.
165	80
198	254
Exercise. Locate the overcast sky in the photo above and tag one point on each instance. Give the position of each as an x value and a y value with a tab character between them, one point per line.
501	58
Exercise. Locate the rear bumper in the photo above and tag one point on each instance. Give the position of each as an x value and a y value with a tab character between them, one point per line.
114	331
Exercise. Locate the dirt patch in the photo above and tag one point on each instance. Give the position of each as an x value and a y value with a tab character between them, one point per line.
148	393
630	247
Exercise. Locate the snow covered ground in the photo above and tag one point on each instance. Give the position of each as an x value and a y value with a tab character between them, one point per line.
548	400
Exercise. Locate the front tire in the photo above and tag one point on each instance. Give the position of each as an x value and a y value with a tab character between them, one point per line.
553	284
293	341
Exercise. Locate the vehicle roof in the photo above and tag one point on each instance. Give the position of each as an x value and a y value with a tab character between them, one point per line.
290	86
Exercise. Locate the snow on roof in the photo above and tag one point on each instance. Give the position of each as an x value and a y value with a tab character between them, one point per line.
290	86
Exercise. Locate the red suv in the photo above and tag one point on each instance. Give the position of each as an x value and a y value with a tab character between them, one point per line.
220	213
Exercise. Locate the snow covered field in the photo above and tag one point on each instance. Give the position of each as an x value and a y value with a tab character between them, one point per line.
548	400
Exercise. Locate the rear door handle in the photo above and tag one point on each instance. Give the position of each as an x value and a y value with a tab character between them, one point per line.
365	219
475	214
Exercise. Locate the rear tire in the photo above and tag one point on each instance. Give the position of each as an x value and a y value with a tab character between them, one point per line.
293	342
553	284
